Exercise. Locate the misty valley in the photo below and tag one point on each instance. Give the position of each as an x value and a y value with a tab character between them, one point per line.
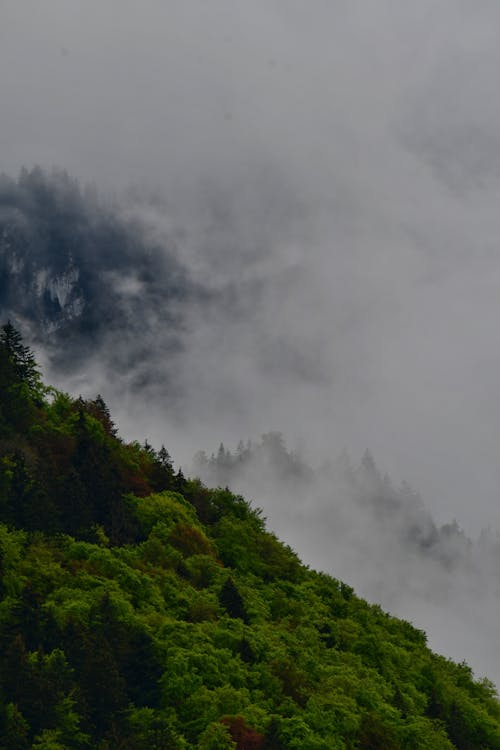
249	410
248	600
141	609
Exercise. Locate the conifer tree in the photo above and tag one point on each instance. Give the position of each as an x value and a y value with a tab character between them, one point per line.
101	411
165	459
21	357
179	480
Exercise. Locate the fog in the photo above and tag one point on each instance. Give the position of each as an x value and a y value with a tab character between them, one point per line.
348	518
322	181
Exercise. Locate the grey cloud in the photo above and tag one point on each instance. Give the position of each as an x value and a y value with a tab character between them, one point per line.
351	521
324	178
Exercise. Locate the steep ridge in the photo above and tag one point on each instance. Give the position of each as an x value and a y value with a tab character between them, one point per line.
143	610
351	520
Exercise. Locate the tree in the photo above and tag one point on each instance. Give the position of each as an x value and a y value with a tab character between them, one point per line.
179	480
244	736
99	409
216	737
21	389
164	458
21	357
14	729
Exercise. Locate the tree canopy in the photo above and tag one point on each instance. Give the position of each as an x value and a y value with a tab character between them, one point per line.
140	610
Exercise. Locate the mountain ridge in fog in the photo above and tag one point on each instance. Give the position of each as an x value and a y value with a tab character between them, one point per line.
382	538
142	610
115	307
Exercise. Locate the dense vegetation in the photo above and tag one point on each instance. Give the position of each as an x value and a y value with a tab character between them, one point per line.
141	611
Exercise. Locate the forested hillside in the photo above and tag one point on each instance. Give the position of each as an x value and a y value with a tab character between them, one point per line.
350	519
141	610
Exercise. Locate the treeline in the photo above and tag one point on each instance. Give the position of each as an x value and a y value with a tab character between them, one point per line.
140	610
268	466
63	467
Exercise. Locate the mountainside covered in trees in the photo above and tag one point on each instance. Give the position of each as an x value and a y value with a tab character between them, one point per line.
352	521
141	610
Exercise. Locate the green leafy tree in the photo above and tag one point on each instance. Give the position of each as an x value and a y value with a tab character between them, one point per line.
216	737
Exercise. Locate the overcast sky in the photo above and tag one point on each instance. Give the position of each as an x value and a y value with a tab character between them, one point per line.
337	165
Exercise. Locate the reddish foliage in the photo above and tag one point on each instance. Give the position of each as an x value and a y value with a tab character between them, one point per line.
245	737
189	540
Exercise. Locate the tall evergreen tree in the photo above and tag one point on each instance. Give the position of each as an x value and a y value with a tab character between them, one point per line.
21	357
164	458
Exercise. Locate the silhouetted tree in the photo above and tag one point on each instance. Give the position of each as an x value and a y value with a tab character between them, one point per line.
21	357
164	458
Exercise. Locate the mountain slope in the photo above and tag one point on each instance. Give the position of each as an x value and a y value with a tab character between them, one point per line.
141	610
352	521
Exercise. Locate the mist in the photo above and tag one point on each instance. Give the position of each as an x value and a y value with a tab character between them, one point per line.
303	210
349	519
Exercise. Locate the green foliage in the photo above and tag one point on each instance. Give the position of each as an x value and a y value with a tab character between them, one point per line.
167	508
143	611
216	737
153	730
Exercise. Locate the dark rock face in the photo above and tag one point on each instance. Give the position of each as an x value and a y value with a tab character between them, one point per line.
74	271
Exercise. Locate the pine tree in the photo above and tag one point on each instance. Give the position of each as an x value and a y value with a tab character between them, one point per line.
100	410
164	458
21	357
179	481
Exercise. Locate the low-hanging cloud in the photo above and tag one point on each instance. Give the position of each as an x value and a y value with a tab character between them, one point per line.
351	521
322	184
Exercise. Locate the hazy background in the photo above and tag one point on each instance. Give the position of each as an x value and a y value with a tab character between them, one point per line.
327	177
